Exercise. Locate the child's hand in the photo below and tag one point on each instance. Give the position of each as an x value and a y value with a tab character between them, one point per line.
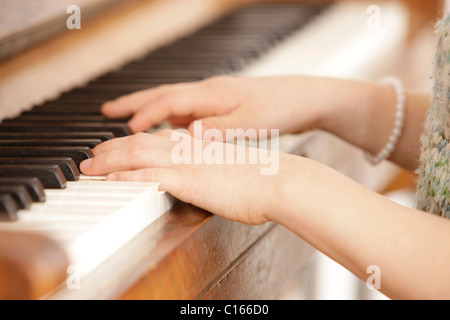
290	104
239	192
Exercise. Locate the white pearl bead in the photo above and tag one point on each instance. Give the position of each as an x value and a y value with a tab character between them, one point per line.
398	124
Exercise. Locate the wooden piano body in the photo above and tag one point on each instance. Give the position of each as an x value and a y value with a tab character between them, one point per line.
187	253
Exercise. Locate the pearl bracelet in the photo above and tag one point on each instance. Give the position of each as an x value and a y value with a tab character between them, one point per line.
398	124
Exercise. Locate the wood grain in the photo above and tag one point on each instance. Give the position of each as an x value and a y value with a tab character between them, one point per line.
264	269
197	251
189	253
30	265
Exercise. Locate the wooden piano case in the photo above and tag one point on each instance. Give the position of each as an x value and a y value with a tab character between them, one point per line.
187	254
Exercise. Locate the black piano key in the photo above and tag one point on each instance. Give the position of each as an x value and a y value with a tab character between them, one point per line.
90	143
50	176
102	136
139	82
268	39
235	62
78	154
123	88
256	46
91	101
8	208
166	54
143	65
63	118
19	193
33	185
67	165
225	46
143	74
57	109
119	129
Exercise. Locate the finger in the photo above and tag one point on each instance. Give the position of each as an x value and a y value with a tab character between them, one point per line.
127	105
149	116
146	174
169	179
154	140
178	101
237	119
132	158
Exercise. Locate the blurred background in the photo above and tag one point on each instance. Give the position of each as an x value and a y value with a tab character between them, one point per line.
402	44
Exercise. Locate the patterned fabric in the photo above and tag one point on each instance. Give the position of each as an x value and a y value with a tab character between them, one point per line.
433	190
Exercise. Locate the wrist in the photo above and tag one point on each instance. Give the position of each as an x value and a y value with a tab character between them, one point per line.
391	144
347	102
361	113
290	189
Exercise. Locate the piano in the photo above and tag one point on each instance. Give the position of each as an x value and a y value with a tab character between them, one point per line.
86	238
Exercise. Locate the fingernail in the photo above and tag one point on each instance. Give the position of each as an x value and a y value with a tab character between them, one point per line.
112	177
85	164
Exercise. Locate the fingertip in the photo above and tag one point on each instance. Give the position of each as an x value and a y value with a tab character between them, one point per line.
85	165
112	177
95	150
109	111
191	129
133	128
136	125
199	128
118	108
106	107
98	149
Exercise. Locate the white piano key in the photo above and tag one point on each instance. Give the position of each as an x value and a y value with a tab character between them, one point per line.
44	226
92	178
91	219
60	210
115	230
111	184
94	191
73	199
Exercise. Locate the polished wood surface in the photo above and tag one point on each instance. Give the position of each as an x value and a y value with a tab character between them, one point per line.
28	23
189	253
30	265
265	269
202	256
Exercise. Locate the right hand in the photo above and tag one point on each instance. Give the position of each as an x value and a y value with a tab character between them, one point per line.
291	104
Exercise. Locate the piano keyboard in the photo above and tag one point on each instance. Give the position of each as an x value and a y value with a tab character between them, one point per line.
41	188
